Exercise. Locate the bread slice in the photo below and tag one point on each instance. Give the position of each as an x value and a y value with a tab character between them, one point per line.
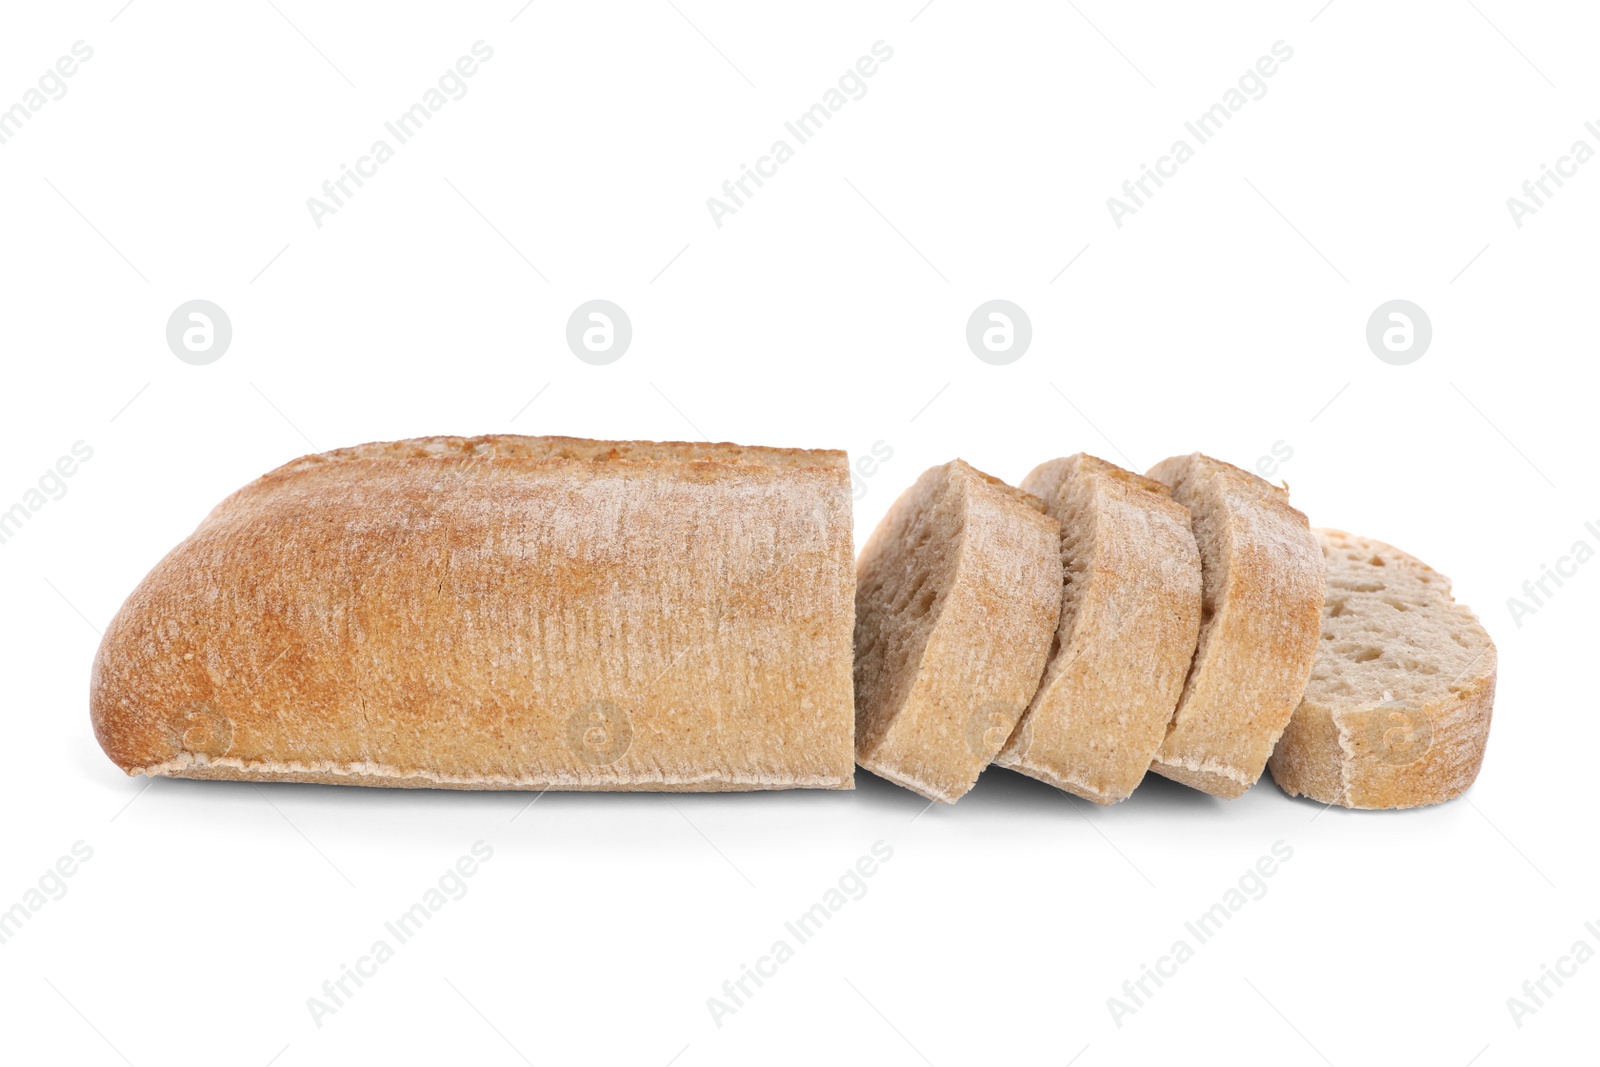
1397	711
1260	615
1130	617
957	594
500	613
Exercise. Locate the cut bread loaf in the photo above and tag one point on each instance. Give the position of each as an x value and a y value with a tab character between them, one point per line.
1261	606
957	595
1397	711
500	613
1130	617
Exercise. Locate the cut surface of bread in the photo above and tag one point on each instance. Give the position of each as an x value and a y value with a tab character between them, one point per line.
500	613
957	594
1130	617
1261	604
1397	711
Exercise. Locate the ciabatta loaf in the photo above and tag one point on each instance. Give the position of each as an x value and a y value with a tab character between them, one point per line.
957	595
1261	608
1397	711
1130	617
500	613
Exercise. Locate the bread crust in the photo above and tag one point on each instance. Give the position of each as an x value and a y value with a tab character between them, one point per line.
500	612
1262	595
1419	739
950	649
1129	621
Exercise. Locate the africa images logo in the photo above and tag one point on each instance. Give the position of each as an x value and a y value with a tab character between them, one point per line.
599	733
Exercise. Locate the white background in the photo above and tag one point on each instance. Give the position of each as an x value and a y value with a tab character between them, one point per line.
1227	315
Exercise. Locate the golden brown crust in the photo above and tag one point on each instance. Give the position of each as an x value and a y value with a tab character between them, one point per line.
516	446
500	612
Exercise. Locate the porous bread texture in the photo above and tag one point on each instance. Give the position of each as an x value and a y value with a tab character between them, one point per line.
1397	711
1261	602
1130	617
500	612
957	594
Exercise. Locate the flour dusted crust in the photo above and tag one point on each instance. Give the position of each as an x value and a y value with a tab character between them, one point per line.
1261	604
1130	617
500	613
1398	708
958	592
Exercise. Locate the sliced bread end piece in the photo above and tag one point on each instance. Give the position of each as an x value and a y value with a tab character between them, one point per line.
1261	604
1130	617
1397	711
957	595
